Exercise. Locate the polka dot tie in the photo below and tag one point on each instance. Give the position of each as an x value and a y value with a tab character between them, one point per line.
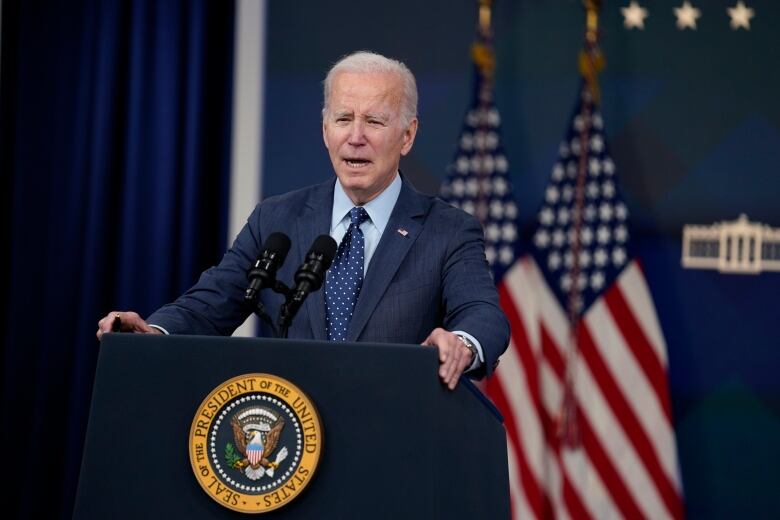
345	278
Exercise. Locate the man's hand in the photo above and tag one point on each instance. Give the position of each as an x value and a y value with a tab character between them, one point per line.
128	322
454	356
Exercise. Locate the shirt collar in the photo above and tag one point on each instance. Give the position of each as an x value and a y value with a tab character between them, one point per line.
378	208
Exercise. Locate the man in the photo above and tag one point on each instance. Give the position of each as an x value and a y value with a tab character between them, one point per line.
409	268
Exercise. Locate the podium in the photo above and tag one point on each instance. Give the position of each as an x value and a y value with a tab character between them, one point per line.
396	442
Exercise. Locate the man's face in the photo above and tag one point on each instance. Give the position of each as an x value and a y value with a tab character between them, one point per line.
363	132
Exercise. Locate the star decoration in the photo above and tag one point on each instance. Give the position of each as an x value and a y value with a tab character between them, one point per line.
634	16
686	16
740	16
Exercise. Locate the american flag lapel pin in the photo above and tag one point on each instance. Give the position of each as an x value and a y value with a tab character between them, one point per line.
401	231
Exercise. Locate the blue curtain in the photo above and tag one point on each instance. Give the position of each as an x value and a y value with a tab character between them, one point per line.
115	161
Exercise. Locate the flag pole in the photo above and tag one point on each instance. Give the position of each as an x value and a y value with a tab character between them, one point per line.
591	62
484	58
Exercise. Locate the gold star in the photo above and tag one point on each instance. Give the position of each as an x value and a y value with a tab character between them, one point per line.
740	16
634	16
686	16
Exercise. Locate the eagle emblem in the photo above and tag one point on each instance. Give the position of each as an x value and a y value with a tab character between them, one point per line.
256	432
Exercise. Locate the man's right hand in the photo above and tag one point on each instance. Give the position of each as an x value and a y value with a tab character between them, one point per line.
129	322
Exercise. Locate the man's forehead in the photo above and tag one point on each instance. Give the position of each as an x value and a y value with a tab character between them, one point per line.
367	85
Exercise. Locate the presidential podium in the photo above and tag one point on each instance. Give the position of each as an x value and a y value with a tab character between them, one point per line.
395	442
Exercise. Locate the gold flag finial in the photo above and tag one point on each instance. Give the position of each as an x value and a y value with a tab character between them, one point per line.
485	14
591	60
482	50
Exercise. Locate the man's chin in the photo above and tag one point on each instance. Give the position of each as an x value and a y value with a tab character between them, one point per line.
358	188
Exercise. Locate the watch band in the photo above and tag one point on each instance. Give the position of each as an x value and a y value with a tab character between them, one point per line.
469	345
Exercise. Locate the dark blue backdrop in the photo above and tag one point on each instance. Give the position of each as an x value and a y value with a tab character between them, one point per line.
114	159
693	120
114	141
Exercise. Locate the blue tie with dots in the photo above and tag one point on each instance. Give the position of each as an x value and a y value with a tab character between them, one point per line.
345	278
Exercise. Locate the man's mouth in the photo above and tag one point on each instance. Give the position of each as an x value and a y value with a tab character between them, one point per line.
357	163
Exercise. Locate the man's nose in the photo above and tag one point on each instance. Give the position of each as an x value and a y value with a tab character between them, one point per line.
357	133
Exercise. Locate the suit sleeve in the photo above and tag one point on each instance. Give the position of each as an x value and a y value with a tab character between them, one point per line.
469	294
214	305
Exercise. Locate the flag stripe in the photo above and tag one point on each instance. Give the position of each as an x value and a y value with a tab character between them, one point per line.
540	501
616	445
572	498
632	382
552	318
591	488
551	353
559	489
630	469
518	500
620	494
596	452
637	294
530	484
640	346
552	397
628	421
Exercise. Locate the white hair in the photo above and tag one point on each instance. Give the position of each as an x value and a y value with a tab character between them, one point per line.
366	62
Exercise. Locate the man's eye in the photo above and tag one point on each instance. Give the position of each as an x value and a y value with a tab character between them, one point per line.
375	122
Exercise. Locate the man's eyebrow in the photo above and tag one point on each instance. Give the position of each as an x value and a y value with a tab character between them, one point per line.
382	116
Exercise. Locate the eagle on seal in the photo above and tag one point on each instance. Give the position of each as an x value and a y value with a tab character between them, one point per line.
257	446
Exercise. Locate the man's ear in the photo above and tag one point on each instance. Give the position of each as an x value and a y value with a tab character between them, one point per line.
409	135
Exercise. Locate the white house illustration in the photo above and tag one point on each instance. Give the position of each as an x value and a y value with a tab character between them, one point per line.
737	246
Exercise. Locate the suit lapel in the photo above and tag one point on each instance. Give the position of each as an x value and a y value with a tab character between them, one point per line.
314	221
390	252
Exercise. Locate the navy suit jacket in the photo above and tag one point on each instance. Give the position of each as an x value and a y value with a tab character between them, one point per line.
434	275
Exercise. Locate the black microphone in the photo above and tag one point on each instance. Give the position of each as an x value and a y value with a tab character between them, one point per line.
308	278
263	273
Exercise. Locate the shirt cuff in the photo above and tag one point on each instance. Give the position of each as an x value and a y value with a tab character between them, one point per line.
161	329
479	359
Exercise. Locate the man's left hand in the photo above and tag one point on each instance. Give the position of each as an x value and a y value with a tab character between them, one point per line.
454	356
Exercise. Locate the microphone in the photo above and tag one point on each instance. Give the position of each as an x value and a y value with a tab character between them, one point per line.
308	278
263	273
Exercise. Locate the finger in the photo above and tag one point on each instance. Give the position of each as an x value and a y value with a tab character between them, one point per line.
459	372
132	322
104	325
463	360
450	363
431	339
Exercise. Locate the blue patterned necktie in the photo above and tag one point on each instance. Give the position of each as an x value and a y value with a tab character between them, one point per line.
345	278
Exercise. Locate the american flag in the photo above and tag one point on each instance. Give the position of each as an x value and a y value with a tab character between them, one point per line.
583	385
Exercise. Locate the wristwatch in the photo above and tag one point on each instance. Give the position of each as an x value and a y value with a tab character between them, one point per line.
469	345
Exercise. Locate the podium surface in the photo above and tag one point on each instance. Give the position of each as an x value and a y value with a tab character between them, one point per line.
396	442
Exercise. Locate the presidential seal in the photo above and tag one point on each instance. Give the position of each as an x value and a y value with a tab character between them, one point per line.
255	443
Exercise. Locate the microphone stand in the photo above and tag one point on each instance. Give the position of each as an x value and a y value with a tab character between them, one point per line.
259	309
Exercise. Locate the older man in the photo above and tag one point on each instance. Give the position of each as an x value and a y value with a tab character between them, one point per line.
409	268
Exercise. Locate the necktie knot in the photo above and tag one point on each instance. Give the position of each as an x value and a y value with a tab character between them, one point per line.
357	216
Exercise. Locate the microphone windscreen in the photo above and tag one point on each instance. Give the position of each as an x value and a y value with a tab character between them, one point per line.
278	243
324	245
